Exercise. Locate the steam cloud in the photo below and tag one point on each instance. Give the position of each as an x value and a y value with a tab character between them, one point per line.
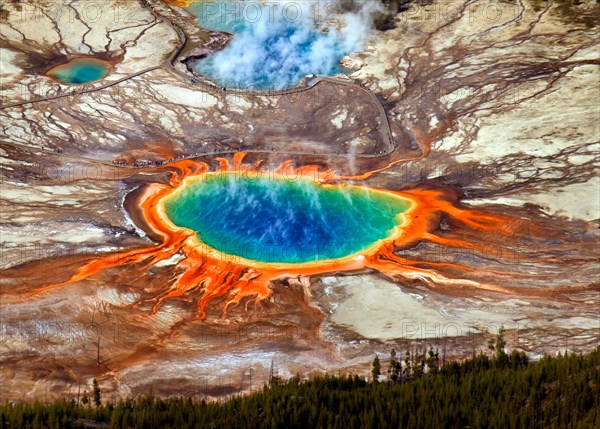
278	43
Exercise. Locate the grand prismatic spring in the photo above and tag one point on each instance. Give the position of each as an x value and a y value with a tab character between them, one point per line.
227	232
197	196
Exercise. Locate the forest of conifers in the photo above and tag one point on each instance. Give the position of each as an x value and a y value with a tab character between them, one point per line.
502	391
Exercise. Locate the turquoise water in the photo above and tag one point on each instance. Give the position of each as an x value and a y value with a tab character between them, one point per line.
221	15
80	70
274	46
286	221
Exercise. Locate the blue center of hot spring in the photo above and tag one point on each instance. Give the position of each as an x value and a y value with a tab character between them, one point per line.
275	45
80	70
276	220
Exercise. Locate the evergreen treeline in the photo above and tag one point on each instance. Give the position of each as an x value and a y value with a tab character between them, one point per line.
503	391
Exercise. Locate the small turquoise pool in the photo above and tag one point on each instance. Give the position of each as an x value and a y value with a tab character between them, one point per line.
80	70
273	220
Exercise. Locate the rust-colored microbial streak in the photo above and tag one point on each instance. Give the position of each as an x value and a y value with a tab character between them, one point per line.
180	3
213	274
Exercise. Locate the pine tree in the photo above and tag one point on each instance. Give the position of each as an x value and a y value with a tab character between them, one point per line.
407	365
418	364
376	371
394	369
491	345
432	361
500	342
97	396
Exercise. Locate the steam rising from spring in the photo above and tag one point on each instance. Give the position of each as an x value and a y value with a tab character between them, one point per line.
277	43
